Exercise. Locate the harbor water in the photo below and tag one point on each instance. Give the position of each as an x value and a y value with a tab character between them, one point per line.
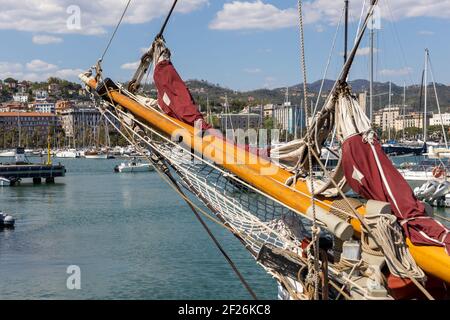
131	236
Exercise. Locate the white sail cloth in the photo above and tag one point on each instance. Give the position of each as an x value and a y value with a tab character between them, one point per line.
349	120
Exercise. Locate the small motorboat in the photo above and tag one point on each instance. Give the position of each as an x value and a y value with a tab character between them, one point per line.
134	166
95	155
6	220
69	153
7	153
4	182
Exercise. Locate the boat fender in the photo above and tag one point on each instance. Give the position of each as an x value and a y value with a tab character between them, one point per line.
335	225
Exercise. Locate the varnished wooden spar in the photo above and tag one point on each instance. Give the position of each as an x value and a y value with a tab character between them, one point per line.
262	174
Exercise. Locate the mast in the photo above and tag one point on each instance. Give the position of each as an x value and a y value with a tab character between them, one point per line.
425	97
20	129
404	109
390	111
444	134
346	32
372	33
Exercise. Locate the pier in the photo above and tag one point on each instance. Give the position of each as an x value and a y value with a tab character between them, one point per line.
19	170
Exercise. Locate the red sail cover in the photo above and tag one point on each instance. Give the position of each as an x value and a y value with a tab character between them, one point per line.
174	97
372	175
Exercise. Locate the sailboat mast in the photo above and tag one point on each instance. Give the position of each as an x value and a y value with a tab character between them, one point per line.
371	67
425	97
390	118
346	32
404	109
20	129
444	134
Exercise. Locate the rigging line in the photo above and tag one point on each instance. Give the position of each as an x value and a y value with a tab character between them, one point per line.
161	32
400	44
437	100
176	186
115	30
214	239
328	63
360	21
313	270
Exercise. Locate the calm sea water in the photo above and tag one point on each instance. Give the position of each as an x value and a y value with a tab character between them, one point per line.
130	234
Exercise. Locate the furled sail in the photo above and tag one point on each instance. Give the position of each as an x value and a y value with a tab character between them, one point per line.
174	97
372	175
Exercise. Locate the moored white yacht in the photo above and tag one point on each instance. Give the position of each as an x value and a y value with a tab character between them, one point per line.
4	182
68	153
7	153
134	166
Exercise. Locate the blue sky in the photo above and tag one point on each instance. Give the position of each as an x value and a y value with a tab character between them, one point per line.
239	44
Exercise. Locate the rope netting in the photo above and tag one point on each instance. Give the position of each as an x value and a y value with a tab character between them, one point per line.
257	219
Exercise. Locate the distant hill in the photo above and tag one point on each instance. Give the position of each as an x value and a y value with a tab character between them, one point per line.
216	93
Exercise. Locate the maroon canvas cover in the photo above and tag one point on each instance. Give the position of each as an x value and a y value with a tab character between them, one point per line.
372	175
174	97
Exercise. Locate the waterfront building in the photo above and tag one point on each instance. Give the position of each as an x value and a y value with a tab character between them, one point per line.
410	120
288	117
242	121
440	119
27	120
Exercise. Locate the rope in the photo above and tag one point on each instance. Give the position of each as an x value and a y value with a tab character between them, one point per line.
115	30
313	257
390	237
328	63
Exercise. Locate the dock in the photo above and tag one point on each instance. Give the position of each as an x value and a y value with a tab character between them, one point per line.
21	169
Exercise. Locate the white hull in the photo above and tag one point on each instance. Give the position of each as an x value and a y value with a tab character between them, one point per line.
421	176
130	168
97	156
8	154
67	154
4	182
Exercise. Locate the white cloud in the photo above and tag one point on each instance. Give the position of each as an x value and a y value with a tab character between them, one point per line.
130	65
239	15
8	69
51	16
426	33
46	39
252	70
36	70
365	51
40	66
396	72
